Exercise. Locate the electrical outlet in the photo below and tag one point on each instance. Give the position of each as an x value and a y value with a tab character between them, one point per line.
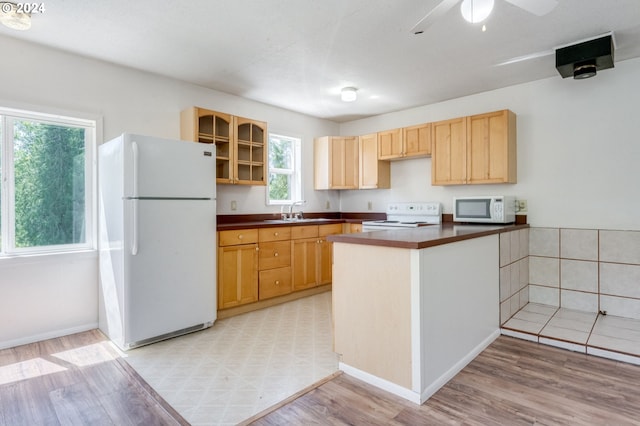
522	206
327	205
369	205
234	205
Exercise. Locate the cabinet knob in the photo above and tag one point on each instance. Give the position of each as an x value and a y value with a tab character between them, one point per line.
240	236
277	282
257	248
275	254
275	234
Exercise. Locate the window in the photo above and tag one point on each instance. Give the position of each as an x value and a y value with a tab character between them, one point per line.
46	169
285	182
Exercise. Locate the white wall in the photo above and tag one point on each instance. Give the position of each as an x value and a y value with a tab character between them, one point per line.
577	159
578	150
45	296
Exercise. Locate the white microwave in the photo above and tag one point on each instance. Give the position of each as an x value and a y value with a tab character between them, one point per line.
488	209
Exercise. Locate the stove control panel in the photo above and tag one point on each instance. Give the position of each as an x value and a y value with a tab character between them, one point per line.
424	212
424	208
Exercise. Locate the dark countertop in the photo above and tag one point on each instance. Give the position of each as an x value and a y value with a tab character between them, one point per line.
263	220
268	223
423	236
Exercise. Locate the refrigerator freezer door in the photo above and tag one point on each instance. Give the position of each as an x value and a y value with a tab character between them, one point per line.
172	278
156	167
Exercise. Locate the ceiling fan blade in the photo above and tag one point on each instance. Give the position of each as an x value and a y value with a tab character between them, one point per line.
433	16
537	7
526	57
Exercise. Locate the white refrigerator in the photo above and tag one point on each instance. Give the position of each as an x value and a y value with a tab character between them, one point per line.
157	239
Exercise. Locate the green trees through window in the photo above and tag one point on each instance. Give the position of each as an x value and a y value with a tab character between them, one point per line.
284	184
45	199
49	184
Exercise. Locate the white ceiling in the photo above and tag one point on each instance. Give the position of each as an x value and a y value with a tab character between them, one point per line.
297	54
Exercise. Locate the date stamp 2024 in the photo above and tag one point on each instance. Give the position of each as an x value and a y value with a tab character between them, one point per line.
27	8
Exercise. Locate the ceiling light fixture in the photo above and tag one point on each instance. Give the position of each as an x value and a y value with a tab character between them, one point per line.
348	94
475	11
10	17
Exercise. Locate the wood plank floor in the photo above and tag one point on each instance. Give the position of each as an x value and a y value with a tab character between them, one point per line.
513	382
80	380
76	380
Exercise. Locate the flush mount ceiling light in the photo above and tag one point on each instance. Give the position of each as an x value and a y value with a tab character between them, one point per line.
475	11
348	94
10	17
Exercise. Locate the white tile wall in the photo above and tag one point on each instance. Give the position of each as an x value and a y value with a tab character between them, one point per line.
524	243
524	272
514	272
620	306
544	242
579	244
593	269
544	295
620	280
579	275
620	246
579	300
544	271
505	248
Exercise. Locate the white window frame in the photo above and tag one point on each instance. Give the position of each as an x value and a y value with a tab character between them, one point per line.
295	172
91	125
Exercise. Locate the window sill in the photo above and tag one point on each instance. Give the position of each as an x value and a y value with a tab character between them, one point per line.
60	256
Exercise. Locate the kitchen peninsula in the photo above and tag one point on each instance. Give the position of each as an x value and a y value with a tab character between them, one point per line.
412	307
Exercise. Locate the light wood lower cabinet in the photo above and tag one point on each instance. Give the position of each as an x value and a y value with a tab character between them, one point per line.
263	263
275	282
312	255
305	263
237	268
275	267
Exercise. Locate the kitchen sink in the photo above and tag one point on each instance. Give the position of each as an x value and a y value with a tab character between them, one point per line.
303	220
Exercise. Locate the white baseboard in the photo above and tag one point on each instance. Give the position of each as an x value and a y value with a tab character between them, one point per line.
457	367
380	383
410	395
48	335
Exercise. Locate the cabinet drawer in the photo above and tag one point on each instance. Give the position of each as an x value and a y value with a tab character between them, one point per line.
309	231
274	255
237	236
274	282
334	228
280	233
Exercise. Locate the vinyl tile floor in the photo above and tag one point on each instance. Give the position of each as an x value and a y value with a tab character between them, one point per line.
608	336
243	364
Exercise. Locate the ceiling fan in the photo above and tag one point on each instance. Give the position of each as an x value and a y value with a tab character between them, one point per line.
478	10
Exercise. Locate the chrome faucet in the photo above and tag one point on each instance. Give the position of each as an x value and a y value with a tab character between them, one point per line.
289	215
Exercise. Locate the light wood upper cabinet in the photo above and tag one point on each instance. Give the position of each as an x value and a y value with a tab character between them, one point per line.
251	151
449	153
407	142
390	144
336	162
374	173
478	149
491	148
417	140
241	144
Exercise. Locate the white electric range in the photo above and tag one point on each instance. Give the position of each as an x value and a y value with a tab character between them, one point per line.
407	215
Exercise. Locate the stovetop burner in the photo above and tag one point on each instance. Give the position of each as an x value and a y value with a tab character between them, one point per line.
407	215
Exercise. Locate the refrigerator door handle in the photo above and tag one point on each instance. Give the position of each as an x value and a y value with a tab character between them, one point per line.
134	228
134	148
134	232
